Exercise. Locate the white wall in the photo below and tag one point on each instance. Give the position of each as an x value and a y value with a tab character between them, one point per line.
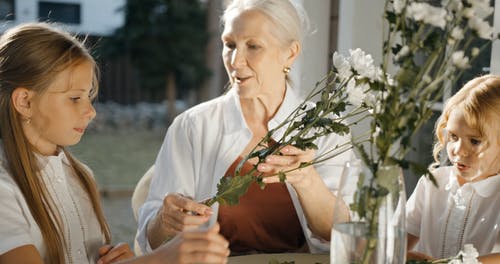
98	17
495	52
360	26
313	63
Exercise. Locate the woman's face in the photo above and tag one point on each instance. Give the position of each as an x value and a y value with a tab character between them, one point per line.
468	152
254	59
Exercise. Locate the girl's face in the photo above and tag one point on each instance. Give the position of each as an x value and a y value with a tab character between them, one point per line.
253	57
468	152
62	113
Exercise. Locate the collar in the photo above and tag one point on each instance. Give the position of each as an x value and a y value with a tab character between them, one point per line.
43	160
488	186
234	120
484	188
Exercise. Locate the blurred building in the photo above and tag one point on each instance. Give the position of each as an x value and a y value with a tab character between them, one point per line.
90	17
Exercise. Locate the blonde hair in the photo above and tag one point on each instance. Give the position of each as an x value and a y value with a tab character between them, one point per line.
31	56
479	101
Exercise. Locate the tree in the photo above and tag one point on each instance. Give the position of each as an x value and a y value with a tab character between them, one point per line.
165	40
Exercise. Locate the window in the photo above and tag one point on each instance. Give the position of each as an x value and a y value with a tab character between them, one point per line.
7	10
59	12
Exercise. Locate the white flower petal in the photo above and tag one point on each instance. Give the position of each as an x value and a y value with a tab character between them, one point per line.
342	65
428	14
399	5
481	27
459	59
362	63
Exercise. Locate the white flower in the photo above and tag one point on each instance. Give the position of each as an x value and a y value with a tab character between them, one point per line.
356	93
454	5
482	8
377	131
399	5
482	28
370	99
455	261
469	254
342	65
474	52
435	16
362	63
459	59
403	52
390	80
469	13
426	79
457	33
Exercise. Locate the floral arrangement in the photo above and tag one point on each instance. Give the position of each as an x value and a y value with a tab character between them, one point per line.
427	46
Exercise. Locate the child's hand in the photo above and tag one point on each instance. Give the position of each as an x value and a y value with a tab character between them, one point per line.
195	246
110	254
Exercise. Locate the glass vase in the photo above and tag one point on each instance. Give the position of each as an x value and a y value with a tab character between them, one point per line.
369	216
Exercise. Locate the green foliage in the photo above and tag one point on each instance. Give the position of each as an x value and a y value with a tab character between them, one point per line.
161	37
303	127
230	188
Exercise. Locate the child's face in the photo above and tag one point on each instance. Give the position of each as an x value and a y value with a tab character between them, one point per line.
62	113
466	149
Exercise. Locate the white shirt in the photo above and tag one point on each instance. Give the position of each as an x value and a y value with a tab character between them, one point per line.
450	216
81	229
204	141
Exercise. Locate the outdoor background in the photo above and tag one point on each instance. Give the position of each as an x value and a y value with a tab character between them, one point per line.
160	57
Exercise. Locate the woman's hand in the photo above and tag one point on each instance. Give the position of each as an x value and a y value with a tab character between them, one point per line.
313	194
112	254
291	158
195	246
178	213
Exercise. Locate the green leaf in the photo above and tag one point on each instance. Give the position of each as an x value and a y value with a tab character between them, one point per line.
305	143
391	17
282	176
388	179
230	189
339	128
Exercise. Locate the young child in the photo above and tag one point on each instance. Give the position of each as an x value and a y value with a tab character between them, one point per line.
464	208
49	203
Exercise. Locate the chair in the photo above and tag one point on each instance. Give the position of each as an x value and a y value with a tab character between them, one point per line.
139	197
141	191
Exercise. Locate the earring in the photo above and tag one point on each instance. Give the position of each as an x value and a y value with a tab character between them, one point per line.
28	120
286	70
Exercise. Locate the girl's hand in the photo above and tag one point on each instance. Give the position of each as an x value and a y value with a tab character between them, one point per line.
110	254
291	158
195	246
180	213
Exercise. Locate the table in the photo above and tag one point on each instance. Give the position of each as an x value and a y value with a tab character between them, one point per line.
298	258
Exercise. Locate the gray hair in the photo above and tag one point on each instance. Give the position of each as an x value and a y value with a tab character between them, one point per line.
290	18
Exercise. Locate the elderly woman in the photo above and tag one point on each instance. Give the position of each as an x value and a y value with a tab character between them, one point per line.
262	39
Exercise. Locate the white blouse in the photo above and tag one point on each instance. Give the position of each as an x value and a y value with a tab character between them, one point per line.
81	229
203	142
448	217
